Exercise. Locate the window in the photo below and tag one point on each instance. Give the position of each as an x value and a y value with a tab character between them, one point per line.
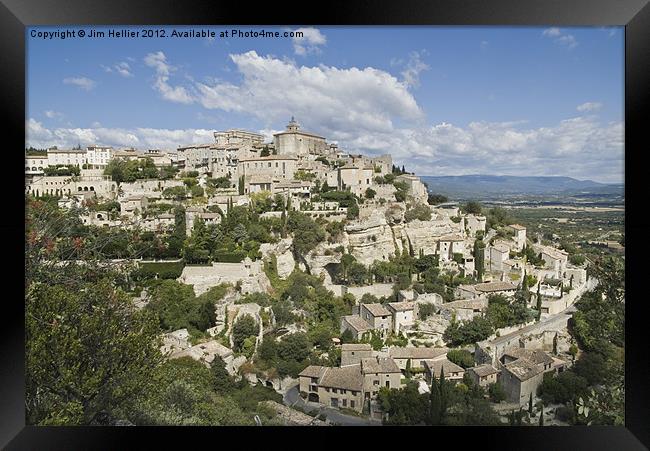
334	390
375	382
352	404
334	402
345	403
388	384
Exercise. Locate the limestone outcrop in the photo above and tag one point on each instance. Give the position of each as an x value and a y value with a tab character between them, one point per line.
283	255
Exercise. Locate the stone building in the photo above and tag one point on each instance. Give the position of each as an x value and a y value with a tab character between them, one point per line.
293	141
377	316
352	353
483	375
416	355
451	371
520	236
403	315
522	371
499	253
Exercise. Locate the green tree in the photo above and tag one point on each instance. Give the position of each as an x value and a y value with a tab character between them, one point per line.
88	352
223	382
245	327
434	402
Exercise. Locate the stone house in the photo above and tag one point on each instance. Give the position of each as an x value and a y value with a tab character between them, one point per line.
377	316
357	326
352	353
475	224
483	375
555	259
464	310
403	314
451	371
379	372
448	245
130	205
333	387
499	253
417	356
522	371
520	235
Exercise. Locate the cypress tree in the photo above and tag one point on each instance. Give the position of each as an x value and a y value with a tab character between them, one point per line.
408	368
434	402
539	304
530	404
443	394
541	416
571	282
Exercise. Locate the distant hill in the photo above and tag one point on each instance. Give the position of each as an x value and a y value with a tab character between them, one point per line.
482	186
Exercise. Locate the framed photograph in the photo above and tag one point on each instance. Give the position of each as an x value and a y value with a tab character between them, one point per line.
240	219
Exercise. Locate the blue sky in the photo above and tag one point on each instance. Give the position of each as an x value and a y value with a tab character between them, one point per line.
441	100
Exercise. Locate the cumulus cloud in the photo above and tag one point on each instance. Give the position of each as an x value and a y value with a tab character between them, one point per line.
579	147
560	37
178	94
122	68
414	66
309	42
141	138
342	101
589	106
81	82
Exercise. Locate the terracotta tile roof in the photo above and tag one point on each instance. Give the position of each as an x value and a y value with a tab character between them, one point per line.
359	324
356	347
313	371
489	287
401	306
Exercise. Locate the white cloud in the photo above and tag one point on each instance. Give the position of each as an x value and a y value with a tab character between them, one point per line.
560	37
53	114
82	82
309	42
589	106
121	68
579	147
553	32
178	94
142	138
341	101
414	66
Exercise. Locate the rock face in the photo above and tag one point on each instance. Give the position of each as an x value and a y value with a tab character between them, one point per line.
236	311
424	235
322	256
249	274
371	239
283	255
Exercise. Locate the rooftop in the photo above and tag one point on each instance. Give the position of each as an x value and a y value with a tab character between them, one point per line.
412	352
348	378
522	369
379	365
377	309
401	306
484	370
313	371
490	287
448	367
534	356
357	323
269	158
517	227
356	347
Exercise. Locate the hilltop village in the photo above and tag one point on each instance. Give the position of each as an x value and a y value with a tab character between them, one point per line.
334	279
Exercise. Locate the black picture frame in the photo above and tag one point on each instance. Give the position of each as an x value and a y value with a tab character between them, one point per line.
15	15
